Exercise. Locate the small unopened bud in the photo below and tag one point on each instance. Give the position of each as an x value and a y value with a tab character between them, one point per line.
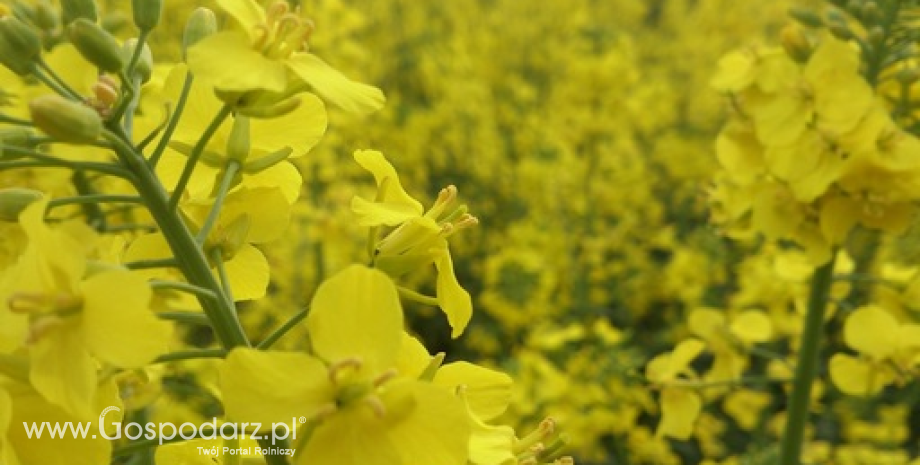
147	13
201	24
65	120
13	200
73	10
96	45
796	43
15	136
876	35
45	16
908	76
870	13
115	22
106	91
144	65
840	31
806	16
20	45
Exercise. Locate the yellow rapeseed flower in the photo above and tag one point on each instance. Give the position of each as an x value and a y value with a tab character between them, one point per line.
269	53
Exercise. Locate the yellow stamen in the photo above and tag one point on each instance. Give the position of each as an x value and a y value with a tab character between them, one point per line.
42	326
337	369
376	404
386	376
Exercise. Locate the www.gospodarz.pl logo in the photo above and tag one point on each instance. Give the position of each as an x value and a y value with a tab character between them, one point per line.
163	432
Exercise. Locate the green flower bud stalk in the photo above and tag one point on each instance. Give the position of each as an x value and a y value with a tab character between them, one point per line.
73	10
96	45
144	65
13	200
20	45
201	24
147	13
65	120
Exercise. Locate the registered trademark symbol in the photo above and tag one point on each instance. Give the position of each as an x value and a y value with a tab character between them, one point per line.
303	420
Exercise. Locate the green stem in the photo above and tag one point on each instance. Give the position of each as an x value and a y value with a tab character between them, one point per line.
807	365
136	54
54	81
189	317
94	198
283	329
218	259
184	287
189	256
173	121
147	264
41	160
7	119
191	355
233	167
196	154
131	108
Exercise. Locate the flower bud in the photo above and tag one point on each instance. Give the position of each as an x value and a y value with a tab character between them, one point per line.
96	45
76	9
870	13
65	120
908	76
147	13
45	16
201	24
806	16
144	65
15	136
20	46
796	43
877	36
840	31
13	200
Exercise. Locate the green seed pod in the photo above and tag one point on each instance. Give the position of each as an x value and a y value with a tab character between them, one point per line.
65	120
20	45
147	13
806	16
13	200
144	66
73	10
96	45
201	24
